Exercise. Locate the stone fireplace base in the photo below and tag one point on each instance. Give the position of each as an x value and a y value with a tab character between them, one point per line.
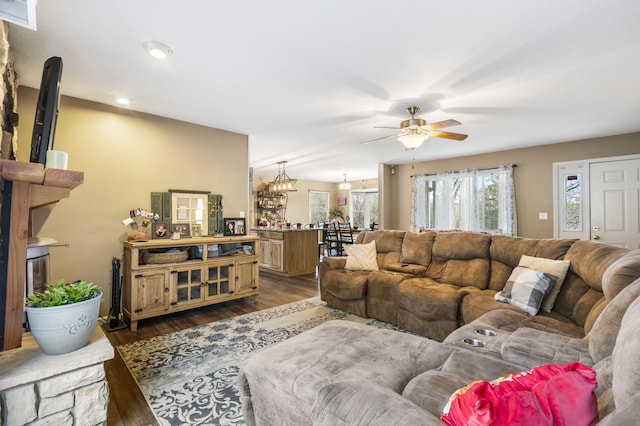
68	389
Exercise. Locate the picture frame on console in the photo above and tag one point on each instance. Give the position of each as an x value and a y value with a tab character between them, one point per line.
234	226
182	229
160	230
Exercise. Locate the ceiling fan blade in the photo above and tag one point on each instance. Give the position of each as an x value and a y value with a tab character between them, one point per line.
442	124
379	139
447	135
386	127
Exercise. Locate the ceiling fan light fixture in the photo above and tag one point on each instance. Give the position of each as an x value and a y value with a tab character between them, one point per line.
413	141
345	184
414	131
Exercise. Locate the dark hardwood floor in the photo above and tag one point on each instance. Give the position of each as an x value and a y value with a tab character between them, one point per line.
127	405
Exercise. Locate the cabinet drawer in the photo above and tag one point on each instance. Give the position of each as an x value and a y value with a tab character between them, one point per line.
271	235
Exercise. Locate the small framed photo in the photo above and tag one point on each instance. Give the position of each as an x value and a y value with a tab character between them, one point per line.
196	230
234	226
160	230
182	229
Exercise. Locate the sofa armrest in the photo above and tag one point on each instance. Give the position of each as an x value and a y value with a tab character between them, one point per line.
365	403
334	262
327	264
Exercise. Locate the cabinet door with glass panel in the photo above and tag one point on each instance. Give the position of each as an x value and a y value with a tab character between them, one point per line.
217	283
187	283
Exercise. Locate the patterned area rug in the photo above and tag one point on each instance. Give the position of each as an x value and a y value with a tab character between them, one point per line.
190	377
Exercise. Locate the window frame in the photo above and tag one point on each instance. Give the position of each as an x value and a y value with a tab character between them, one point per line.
367	211
326	194
459	200
177	218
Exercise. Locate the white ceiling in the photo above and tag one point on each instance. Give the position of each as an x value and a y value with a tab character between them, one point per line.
308	81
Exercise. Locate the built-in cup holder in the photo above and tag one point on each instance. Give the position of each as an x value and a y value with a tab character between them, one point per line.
476	343
485	332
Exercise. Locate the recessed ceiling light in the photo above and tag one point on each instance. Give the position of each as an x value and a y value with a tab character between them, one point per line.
158	50
122	100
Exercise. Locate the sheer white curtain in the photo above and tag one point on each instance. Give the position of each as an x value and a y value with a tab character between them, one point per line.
455	201
460	200
507	217
419	202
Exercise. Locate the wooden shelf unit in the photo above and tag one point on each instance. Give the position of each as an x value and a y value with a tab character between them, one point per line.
151	290
26	186
272	206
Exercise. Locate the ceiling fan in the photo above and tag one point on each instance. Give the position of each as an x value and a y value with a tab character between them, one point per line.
414	131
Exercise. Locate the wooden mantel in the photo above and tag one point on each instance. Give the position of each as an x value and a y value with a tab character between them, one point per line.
25	186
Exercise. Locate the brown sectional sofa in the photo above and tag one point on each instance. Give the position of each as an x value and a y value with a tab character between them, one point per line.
441	285
432	283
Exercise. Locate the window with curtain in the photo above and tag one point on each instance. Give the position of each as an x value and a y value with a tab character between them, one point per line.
470	200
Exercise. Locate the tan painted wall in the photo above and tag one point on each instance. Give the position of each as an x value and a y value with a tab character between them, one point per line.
126	155
533	176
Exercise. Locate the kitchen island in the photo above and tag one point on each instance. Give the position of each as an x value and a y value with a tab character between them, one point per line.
288	252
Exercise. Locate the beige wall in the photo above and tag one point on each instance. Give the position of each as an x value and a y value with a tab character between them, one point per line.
126	155
533	177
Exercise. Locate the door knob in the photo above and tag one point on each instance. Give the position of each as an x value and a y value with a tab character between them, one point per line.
596	228
596	237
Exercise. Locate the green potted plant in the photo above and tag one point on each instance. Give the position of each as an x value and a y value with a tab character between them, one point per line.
62	317
335	213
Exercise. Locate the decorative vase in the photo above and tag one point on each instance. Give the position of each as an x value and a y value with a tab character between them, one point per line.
62	329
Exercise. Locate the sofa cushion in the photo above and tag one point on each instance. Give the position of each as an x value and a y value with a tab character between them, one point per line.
544	395
621	273
526	288
461	258
590	260
416	247
431	390
473	366
359	402
603	334
283	380
386	241
347	285
506	252
577	300
477	303
529	347
428	308
361	257
557	268
509	317
382	291
625	359
429	300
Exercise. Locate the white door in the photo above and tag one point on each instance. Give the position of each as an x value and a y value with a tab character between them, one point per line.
615	202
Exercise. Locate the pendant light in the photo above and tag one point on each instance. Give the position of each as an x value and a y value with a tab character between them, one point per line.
282	182
345	184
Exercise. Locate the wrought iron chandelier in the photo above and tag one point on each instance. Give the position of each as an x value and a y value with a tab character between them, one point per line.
282	182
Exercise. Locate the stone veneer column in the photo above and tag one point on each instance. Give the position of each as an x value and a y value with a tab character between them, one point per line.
68	389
